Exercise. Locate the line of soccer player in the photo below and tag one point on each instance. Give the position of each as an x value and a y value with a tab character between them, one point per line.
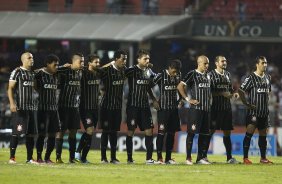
48	101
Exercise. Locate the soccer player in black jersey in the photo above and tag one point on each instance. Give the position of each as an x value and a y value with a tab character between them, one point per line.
258	86
46	83
88	107
168	118
221	112
69	85
23	105
138	109
112	78
198	83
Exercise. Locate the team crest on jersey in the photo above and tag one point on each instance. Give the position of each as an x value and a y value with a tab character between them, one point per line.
132	122
19	128
161	127
88	121
194	127
254	119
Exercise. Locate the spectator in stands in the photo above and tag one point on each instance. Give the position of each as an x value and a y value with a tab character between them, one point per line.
145	6
240	9
154	7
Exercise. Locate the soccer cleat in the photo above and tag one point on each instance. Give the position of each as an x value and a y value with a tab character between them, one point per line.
171	161
77	156
85	162
114	161
151	161
130	161
189	162
104	161
203	161
265	161
12	161
74	161
59	161
160	161
40	161
49	161
32	162
232	161
247	161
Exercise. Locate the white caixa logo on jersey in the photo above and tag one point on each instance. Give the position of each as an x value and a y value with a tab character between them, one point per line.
161	127
193	127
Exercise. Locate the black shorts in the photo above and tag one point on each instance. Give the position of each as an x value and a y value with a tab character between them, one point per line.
48	121
89	118
198	121
140	117
168	121
24	122
221	120
260	122
110	119
69	118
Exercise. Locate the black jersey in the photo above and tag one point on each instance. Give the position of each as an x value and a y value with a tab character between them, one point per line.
199	86
24	94
168	89
46	85
69	85
113	80
220	83
89	90
139	84
258	89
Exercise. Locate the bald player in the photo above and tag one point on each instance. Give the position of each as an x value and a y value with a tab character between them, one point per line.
197	83
23	105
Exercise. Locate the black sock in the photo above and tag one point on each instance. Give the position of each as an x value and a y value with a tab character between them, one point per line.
104	145
82	142
149	146
160	143
129	147
205	144
228	146
113	143
262	146
50	147
169	145
39	146
59	147
200	147
86	148
72	145
246	144
13	145
189	144
208	141
29	147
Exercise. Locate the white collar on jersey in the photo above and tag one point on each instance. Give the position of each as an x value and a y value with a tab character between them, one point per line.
44	70
259	75
219	72
24	68
199	72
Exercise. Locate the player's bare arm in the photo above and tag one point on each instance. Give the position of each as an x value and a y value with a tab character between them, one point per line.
11	87
244	100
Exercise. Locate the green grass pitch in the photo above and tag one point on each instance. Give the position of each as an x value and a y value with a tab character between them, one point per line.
97	173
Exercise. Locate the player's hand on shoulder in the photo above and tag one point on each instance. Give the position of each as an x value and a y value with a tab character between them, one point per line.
67	65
